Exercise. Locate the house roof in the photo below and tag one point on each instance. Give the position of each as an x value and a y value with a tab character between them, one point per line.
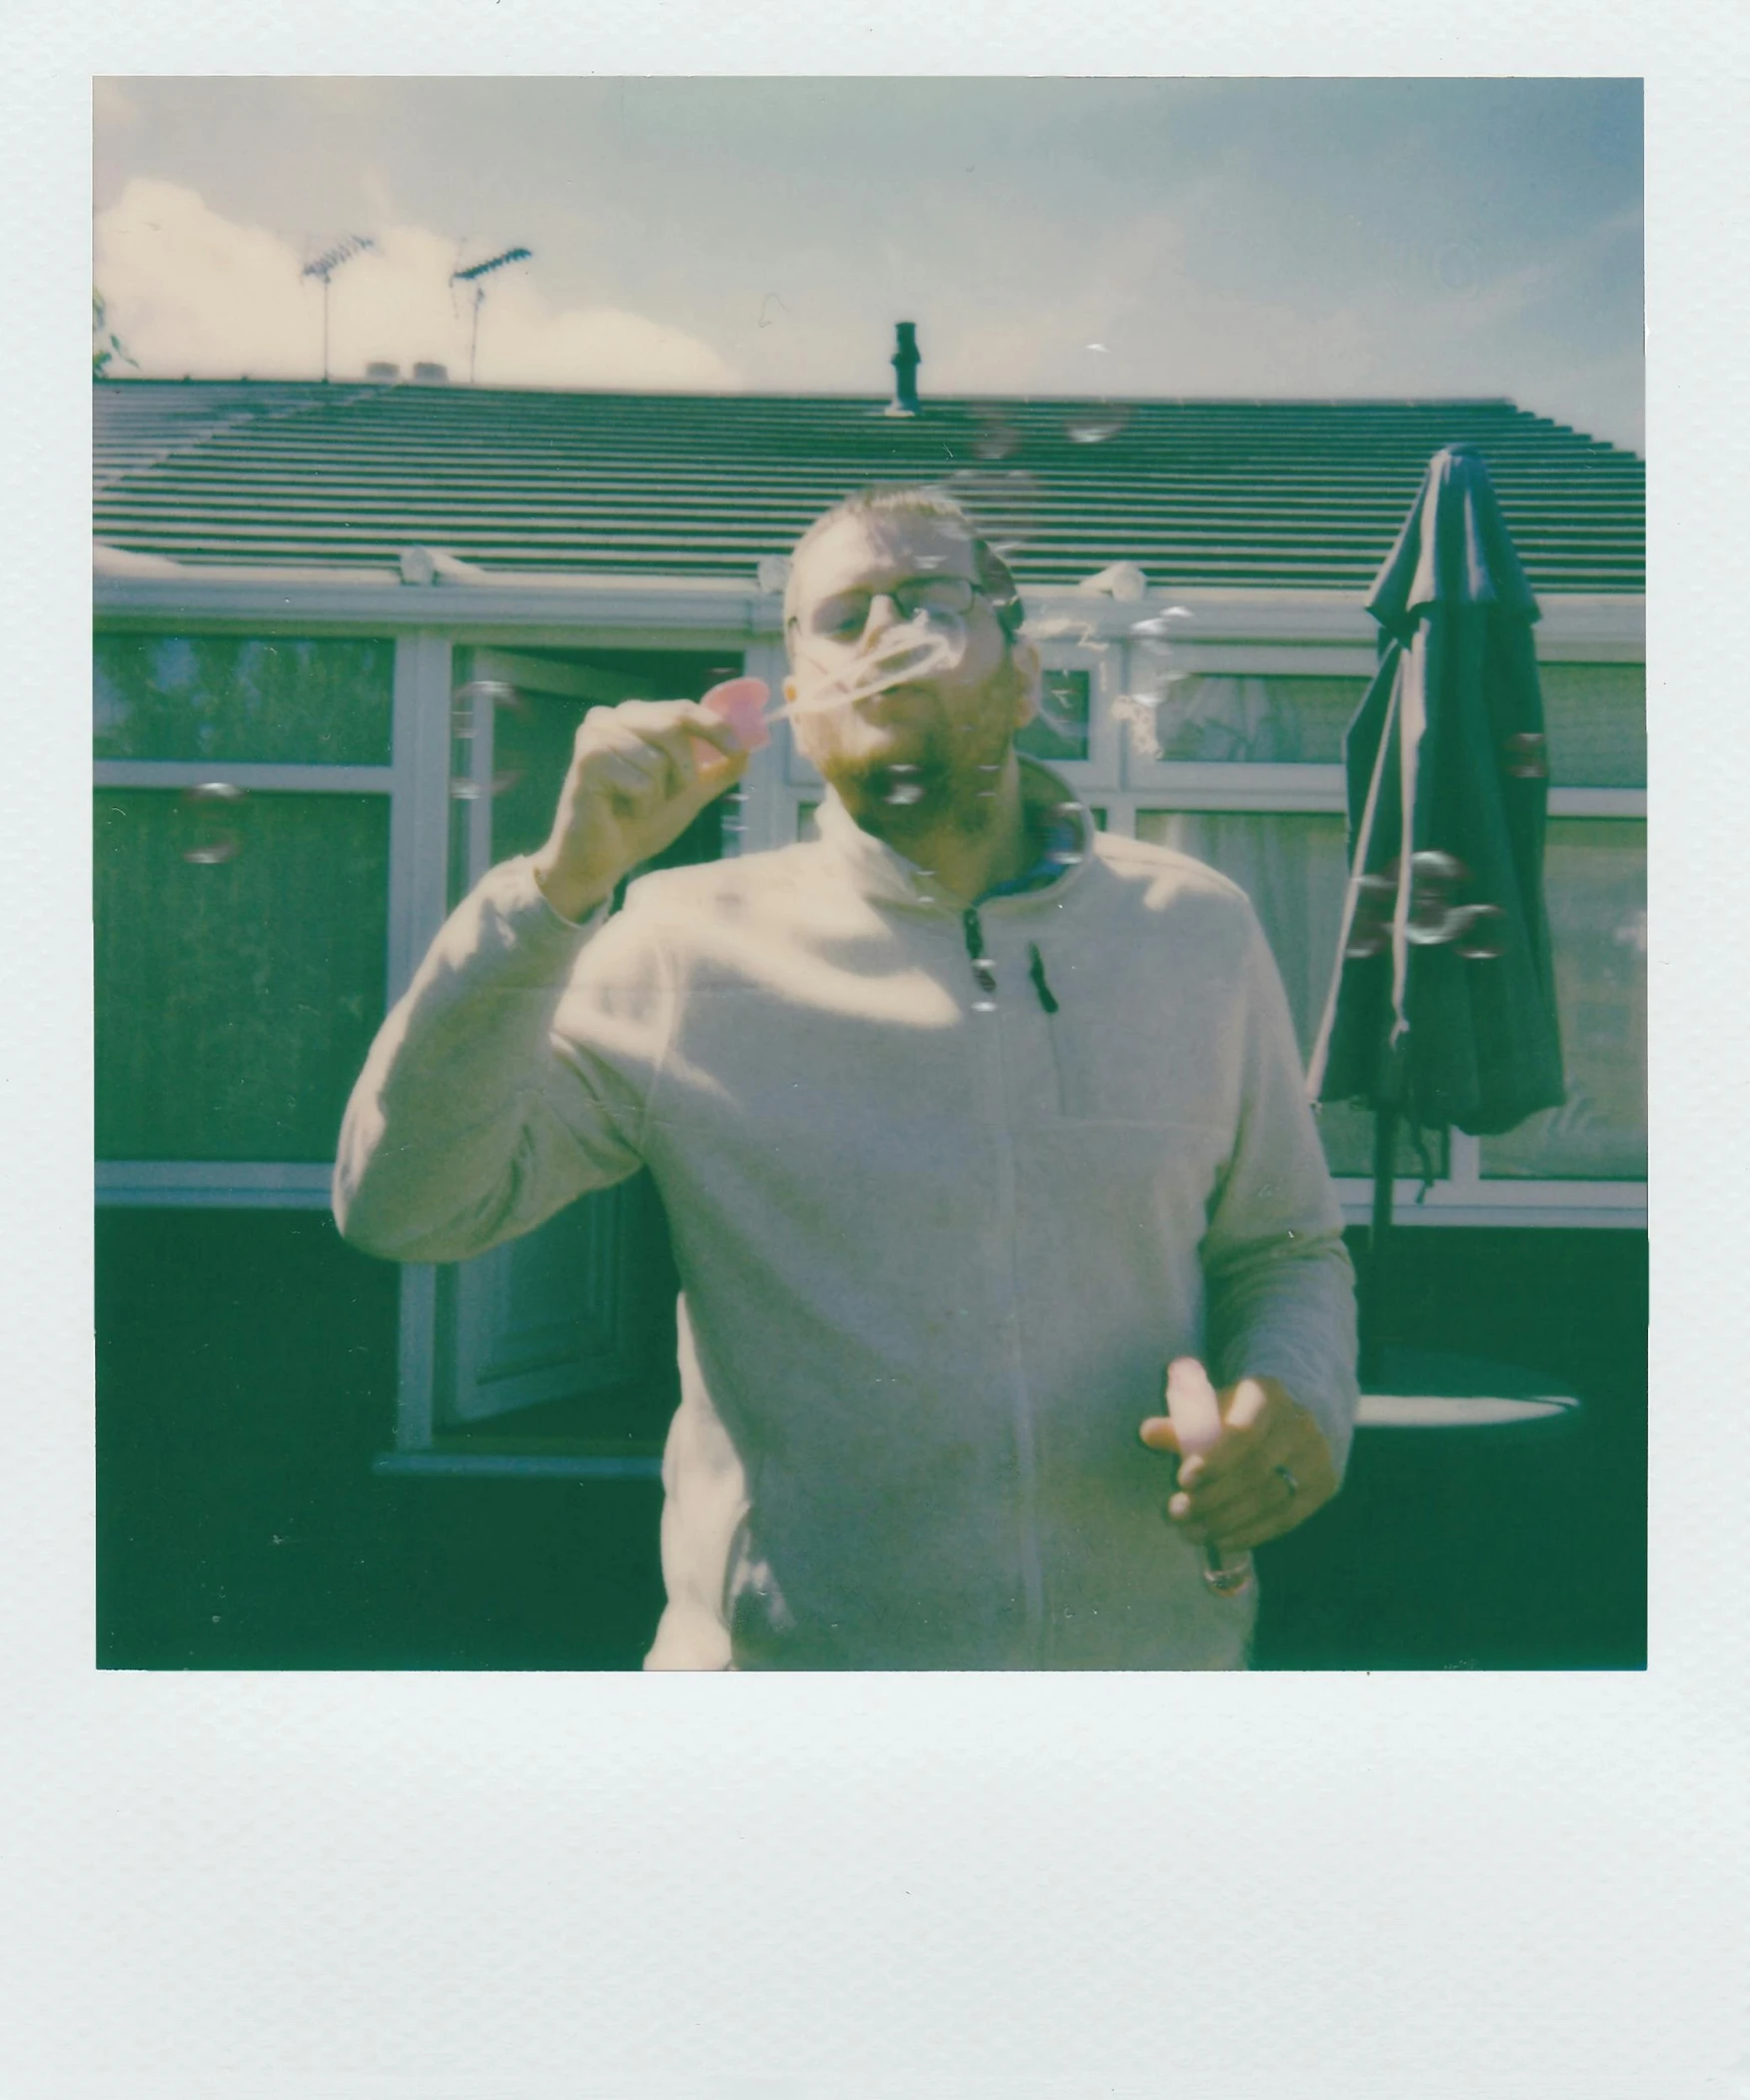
1215	494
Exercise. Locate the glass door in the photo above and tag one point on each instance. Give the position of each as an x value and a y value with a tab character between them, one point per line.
563	1339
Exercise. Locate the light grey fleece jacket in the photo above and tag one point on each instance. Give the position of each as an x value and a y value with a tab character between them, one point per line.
936	1245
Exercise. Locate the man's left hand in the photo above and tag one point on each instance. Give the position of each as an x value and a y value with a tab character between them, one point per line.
1270	1471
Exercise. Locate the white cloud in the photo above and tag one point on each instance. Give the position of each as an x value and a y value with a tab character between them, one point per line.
191	291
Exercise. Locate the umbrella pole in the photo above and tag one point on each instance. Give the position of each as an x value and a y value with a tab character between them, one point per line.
1372	1296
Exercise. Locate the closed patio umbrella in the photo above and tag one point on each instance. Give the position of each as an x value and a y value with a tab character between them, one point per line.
1442	1010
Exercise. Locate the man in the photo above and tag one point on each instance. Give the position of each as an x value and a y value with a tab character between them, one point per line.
967	1120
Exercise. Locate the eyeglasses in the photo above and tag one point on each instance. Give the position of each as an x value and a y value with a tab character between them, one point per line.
844	616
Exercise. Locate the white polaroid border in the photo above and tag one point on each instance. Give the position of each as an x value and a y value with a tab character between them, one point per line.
517	1887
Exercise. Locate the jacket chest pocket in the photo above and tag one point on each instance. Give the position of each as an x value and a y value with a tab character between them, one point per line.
1150	1075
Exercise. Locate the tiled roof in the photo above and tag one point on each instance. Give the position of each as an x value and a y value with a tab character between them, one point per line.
1238	493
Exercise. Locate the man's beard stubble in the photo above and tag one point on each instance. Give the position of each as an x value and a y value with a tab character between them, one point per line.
951	784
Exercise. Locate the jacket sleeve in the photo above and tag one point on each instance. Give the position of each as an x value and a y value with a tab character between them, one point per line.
474	1118
1281	1286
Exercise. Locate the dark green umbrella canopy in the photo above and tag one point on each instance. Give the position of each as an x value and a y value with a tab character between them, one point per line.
1442	1010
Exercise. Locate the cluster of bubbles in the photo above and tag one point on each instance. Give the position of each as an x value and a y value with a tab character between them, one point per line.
921	648
1139	710
1090	423
1434	920
1006	501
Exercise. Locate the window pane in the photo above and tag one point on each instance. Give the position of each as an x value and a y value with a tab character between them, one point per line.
1211	720
1294	868
1596	889
284	702
1596	716
238	992
1059	728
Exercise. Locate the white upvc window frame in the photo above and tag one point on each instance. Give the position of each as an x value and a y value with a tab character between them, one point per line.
250	1184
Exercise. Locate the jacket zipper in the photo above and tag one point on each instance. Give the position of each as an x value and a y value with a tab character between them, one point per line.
984	973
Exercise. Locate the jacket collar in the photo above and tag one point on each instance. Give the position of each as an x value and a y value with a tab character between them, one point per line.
879	873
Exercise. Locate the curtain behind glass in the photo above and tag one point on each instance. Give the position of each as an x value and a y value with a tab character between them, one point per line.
1294	868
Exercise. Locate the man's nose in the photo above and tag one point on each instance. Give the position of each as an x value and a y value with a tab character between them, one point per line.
883	613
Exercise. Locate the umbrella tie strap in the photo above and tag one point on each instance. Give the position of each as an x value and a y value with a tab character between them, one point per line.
1352	894
1410	735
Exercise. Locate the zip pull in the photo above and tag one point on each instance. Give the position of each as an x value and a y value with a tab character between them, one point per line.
1036	970
984	971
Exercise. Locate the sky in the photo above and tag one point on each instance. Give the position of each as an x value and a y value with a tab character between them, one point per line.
1063	238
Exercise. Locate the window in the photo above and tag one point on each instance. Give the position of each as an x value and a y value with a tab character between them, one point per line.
1596	717
1257	720
239	970
242	835
1596	891
245	700
1059	728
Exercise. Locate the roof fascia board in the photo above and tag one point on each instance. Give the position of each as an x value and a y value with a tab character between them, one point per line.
634	602
1572	623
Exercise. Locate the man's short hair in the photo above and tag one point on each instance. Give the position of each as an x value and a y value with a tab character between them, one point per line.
885	500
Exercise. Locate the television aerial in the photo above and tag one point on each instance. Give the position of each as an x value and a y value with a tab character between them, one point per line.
324	268
475	276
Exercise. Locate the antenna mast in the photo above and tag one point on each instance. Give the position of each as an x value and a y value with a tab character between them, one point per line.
324	268
477	275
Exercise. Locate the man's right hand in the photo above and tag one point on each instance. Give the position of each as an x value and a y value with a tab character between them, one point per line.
640	773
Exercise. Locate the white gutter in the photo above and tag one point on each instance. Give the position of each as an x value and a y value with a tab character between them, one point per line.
1607	625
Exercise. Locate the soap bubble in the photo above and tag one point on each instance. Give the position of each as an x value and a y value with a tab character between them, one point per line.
1159	625
1432	879
996	438
216	847
466	703
1371	931
772	572
466	700
473	791
1476	946
1096	424
1528	756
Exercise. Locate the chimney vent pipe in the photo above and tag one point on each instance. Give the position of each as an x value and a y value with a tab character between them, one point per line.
906	361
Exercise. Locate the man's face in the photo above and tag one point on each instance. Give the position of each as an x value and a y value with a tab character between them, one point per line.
941	733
